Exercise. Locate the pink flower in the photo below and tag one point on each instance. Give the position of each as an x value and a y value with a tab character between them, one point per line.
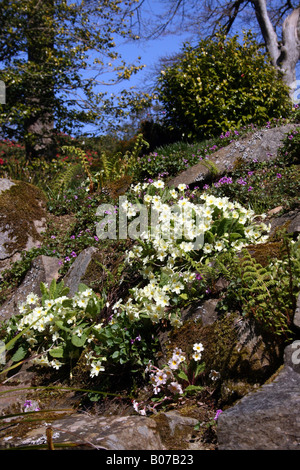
218	412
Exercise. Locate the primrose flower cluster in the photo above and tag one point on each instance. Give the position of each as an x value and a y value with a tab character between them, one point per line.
51	327
165	377
181	230
171	377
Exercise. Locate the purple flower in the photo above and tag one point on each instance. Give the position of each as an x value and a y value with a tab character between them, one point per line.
279	175
223	180
73	254
250	188
218	412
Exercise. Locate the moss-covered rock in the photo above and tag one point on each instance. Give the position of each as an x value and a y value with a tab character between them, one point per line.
235	351
22	217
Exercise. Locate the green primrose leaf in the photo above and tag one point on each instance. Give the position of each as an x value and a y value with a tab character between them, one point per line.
19	354
79	341
57	352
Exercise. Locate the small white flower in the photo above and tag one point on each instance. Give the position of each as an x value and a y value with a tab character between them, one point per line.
174	363
214	375
175	388
159	184
196	356
32	299
198	347
55	364
96	367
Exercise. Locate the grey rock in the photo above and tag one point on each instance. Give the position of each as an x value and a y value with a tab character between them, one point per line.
291	220
269	418
296	319
207	312
262	145
77	271
43	269
130	432
5	184
97	432
23	223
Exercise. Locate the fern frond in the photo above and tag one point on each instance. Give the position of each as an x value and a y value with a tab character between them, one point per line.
65	177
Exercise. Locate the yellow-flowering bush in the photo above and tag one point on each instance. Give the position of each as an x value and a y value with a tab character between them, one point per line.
221	84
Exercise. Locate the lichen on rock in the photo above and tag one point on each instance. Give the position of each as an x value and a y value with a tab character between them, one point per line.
22	217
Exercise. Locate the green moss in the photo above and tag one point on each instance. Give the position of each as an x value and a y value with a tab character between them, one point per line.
20	207
238	356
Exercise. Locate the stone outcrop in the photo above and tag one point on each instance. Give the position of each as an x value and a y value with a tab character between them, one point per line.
43	269
297	313
269	418
77	271
22	219
96	432
131	432
261	145
255	416
290	220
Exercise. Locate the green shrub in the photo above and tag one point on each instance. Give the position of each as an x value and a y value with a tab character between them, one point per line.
219	85
266	293
260	185
290	149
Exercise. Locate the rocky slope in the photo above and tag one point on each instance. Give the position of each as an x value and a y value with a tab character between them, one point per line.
259	395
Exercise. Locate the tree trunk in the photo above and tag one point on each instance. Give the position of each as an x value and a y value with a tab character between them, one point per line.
284	55
290	49
39	124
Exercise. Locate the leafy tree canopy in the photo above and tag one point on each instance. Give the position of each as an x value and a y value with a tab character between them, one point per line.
219	85
55	56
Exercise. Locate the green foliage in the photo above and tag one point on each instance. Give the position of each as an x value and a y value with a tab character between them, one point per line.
43	72
219	85
12	277
266	293
126	343
261	185
54	330
63	179
290	149
169	160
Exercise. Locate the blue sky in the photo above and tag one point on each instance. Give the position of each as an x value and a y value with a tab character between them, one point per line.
151	51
